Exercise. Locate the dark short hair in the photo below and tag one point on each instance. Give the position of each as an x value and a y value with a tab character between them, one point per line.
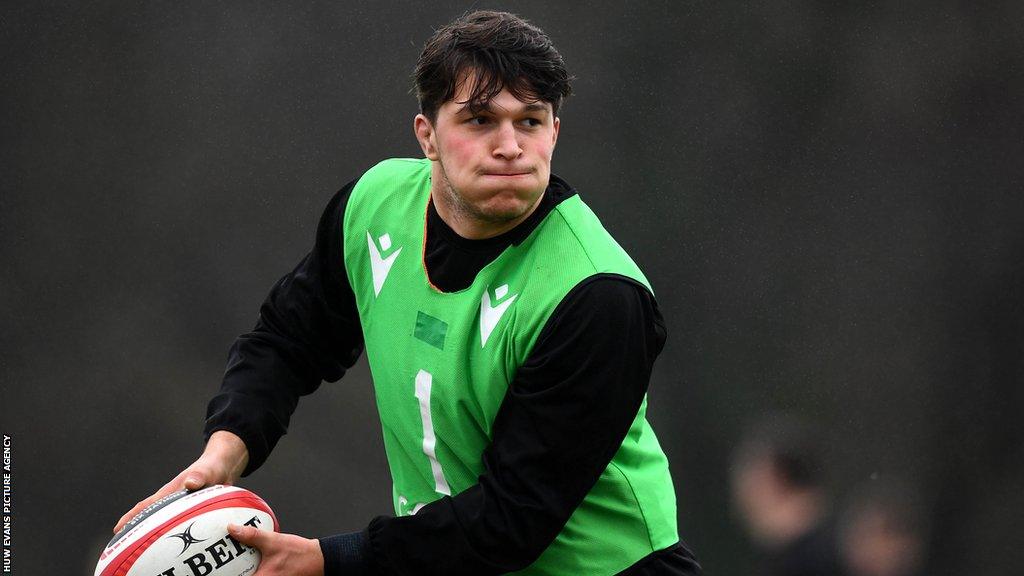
503	50
789	445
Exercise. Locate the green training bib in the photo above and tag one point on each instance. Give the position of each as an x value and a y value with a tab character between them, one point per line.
442	362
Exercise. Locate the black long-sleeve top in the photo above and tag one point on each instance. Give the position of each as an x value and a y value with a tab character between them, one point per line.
593	358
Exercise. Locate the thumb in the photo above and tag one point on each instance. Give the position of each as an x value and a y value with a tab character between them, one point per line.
249	535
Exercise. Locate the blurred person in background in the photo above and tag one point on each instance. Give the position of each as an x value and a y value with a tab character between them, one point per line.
882	531
778	491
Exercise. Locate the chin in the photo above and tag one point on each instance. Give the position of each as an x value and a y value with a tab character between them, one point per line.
504	211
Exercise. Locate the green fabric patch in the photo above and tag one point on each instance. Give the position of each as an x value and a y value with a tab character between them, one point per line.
430	330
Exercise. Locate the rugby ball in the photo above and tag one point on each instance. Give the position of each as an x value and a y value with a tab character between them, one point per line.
186	534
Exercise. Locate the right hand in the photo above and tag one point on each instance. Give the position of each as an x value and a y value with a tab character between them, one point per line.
222	462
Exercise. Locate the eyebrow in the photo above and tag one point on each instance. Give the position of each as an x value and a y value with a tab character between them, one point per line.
532	107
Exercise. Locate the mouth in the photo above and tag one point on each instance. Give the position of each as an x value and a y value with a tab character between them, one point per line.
507	174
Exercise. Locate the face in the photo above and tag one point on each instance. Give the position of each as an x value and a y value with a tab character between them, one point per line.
491	166
756	493
872	546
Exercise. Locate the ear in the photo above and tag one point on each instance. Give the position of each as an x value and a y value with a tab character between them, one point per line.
425	134
554	135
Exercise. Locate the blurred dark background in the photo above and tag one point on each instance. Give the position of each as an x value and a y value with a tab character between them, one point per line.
827	197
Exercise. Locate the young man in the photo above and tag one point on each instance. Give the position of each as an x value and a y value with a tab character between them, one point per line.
509	337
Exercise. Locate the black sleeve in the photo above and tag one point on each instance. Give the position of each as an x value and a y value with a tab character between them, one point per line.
563	418
308	331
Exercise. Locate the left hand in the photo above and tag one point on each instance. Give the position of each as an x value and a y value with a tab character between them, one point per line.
283	554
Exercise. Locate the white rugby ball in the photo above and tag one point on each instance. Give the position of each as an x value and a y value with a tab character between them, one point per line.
185	534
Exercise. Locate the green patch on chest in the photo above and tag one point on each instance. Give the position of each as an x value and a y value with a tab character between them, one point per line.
430	330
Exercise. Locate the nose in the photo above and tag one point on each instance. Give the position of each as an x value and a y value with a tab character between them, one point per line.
506	145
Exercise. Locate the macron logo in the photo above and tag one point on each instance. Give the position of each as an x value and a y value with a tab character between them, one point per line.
380	266
490	315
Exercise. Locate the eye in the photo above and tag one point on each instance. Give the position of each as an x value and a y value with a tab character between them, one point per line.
478	120
532	122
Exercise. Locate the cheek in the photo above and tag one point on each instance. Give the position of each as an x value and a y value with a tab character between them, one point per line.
458	151
542	149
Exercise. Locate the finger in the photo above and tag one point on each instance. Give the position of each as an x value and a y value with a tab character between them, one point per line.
251	536
193	481
142	504
138	508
